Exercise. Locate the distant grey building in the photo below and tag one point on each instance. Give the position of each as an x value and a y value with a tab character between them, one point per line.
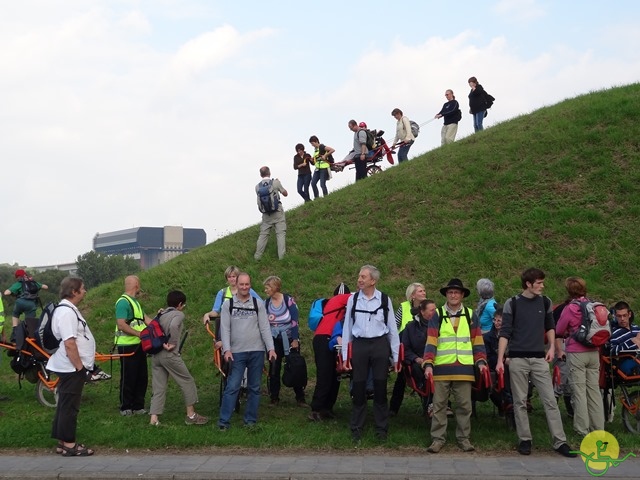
70	268
151	246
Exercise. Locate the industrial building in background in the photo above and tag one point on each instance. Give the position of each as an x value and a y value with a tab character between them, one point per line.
151	246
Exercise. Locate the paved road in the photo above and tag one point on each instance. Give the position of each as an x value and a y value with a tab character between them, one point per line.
367	465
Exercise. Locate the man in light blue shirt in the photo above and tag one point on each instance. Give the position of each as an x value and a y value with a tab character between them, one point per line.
373	340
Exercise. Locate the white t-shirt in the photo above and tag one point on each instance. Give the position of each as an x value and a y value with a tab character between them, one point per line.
68	323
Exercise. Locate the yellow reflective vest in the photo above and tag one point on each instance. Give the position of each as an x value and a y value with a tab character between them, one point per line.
137	323
406	315
320	163
454	345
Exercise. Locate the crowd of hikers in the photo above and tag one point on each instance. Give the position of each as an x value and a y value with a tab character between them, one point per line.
450	354
366	141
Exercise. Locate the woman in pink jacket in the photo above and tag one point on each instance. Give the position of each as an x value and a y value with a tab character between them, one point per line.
584	363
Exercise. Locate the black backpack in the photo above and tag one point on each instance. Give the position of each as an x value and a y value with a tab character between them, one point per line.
44	335
24	361
488	100
295	370
29	289
384	305
371	138
254	309
268	198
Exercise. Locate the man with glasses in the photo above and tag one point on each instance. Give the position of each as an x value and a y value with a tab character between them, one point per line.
452	115
454	347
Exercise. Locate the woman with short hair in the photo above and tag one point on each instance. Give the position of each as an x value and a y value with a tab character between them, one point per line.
404	135
73	363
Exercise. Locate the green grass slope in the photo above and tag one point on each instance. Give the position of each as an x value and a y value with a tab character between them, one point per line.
556	188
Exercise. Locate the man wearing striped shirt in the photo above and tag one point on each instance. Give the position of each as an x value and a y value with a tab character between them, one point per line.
454	346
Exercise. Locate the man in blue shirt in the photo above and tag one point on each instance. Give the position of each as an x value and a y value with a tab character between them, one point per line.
373	339
625	337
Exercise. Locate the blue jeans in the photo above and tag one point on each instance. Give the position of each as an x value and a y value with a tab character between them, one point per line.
477	121
403	152
253	362
303	186
322	175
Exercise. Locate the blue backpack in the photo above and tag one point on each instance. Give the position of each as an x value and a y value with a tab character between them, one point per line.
315	313
268	198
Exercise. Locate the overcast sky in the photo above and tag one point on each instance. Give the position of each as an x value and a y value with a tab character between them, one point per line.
121	113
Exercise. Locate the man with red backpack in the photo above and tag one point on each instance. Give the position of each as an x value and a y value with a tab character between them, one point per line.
327	382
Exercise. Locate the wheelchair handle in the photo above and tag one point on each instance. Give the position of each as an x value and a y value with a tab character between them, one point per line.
500	381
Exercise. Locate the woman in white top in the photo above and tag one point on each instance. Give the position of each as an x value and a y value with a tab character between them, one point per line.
72	362
403	135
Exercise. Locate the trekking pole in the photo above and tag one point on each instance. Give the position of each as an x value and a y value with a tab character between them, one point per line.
428	121
419	126
184	339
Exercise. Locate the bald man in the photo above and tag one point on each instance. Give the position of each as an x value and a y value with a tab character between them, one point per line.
130	321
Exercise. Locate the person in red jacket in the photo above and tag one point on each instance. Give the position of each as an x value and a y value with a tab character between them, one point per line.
327	382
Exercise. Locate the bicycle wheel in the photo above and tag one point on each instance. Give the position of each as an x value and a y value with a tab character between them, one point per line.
631	416
373	169
47	395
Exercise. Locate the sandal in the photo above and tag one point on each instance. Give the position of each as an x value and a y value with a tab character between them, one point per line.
59	448
78	450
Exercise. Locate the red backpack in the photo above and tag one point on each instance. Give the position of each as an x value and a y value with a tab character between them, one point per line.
152	337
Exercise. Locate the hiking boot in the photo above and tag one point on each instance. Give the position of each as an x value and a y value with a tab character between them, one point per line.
327	415
197	419
126	413
140	411
315	417
436	446
466	446
565	451
524	447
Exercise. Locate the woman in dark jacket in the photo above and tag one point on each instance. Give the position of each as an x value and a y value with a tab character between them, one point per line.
414	338
477	103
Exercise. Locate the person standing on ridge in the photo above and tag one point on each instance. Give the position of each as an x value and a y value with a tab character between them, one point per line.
268	192
452	115
404	135
301	164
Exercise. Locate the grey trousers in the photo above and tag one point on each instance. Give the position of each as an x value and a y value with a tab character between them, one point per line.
519	371
169	364
272	220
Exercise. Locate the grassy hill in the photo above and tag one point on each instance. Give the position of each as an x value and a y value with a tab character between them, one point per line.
557	188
